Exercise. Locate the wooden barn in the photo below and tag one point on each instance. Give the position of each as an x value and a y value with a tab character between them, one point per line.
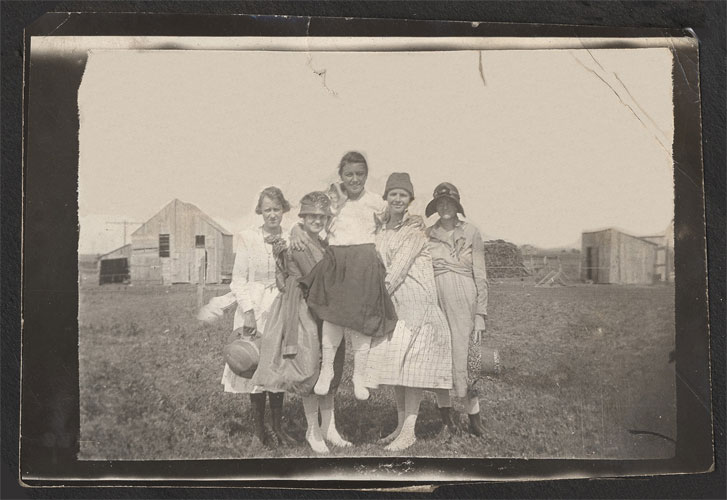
181	244
612	256
664	253
114	266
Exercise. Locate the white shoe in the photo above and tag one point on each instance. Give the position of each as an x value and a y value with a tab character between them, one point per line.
405	439
361	392
333	437
324	382
315	440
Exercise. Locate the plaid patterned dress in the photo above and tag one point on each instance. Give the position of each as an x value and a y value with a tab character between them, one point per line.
418	352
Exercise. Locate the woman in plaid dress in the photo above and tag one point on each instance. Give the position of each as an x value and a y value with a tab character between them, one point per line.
458	256
417	355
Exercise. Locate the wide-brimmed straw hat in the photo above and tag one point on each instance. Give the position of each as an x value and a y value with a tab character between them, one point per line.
315	203
444	190
242	355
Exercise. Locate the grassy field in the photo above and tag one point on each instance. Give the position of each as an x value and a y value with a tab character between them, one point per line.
585	372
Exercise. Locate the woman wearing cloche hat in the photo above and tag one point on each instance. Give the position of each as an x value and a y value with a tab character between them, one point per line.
417	355
458	258
290	351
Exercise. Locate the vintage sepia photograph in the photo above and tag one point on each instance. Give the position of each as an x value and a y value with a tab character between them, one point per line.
405	257
421	253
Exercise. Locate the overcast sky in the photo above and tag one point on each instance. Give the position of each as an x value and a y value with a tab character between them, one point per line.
543	144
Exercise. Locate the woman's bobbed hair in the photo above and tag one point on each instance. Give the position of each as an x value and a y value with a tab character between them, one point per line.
352	157
274	194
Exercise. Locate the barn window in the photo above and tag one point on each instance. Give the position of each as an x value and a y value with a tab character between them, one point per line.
199	241
163	245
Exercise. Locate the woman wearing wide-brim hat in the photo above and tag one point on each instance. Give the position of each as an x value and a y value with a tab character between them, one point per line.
290	349
458	259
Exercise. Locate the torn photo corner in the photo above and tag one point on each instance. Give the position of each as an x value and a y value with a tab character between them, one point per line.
575	154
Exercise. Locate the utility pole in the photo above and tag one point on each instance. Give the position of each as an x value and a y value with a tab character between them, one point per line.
125	223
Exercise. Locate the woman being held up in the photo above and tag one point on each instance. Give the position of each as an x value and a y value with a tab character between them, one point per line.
290	350
458	258
346	288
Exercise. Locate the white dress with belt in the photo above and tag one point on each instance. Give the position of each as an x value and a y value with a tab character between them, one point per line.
253	284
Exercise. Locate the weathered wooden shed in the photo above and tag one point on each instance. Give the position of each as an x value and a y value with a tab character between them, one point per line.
114	266
612	256
664	253
181	244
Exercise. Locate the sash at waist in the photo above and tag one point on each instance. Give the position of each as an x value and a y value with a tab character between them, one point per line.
443	266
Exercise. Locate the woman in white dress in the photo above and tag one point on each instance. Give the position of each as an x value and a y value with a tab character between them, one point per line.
417	355
254	287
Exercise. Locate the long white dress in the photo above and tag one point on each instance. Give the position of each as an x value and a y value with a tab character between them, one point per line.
253	284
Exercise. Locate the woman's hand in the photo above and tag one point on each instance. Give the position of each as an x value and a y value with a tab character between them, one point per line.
480	327
296	238
248	322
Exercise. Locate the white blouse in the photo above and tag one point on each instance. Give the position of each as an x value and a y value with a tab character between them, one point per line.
355	223
254	269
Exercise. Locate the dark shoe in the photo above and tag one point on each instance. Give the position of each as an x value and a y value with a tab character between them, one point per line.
450	429
276	410
258	420
476	425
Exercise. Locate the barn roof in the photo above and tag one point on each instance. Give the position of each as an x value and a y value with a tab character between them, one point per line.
113	251
197	211
621	231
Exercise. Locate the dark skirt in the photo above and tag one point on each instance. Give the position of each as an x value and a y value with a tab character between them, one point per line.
347	288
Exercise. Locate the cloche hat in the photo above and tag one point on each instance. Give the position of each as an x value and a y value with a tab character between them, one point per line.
315	203
399	180
444	190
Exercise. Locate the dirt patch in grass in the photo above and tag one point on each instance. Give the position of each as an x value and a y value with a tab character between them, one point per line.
585	374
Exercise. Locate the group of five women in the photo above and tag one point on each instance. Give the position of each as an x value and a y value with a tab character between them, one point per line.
411	300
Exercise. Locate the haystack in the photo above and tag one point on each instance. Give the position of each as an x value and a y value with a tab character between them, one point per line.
504	260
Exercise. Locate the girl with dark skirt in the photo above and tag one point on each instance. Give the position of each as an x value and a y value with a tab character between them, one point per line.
346	289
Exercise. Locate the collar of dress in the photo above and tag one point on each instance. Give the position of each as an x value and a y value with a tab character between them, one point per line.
383	218
438	233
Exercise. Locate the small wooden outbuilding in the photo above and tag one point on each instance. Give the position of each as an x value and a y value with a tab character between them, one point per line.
181	244
114	266
612	256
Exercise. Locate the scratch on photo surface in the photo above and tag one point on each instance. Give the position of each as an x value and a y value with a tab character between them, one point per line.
704	405
320	72
482	74
68	16
679	63
629	107
636	432
638	104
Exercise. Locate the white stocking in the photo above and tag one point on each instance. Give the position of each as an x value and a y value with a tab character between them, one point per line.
330	340
328	422
313	434
407	437
360	344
